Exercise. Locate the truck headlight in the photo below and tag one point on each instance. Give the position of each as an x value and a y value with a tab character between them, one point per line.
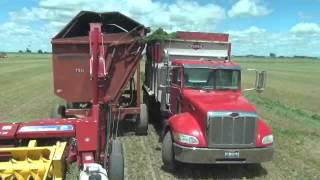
267	139
186	139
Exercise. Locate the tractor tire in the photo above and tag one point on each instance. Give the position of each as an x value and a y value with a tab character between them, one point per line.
116	146
142	121
95	177
116	162
58	111
167	152
145	98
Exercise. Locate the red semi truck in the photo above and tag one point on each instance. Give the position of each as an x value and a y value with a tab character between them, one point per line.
195	86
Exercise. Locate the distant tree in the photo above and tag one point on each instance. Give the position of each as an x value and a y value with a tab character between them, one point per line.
159	35
40	51
3	55
28	50
273	55
304	57
20	51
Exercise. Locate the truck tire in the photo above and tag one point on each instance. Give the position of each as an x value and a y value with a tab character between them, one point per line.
253	166
142	121
167	152
116	162
154	112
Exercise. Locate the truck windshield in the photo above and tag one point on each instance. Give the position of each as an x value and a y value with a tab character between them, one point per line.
212	79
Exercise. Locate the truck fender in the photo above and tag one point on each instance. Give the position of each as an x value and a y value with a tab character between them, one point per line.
186	123
263	130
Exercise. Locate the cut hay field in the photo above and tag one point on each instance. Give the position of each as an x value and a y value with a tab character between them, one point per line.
290	104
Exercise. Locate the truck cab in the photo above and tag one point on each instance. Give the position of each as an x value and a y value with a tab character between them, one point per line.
209	121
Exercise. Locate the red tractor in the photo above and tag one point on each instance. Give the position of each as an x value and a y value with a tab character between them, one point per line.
193	83
96	70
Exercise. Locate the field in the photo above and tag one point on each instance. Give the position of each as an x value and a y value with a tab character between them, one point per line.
290	104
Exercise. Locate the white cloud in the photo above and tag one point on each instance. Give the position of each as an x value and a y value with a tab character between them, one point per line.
25	15
44	15
179	15
19	37
62	4
50	16
259	41
13	29
247	8
184	17
306	28
248	40
54	14
252	30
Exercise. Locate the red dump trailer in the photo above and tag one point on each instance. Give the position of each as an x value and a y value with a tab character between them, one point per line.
96	70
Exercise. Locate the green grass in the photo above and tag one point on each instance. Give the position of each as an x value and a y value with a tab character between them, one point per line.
290	105
26	87
292	82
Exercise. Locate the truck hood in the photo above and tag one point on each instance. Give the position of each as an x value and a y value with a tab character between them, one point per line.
218	101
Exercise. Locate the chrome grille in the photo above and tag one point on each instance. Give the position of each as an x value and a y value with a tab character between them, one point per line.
231	129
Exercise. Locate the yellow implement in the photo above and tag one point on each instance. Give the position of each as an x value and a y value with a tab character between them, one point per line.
33	163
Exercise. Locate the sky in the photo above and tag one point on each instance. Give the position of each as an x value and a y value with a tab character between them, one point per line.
259	27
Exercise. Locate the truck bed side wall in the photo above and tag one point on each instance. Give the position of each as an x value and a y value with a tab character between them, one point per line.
157	74
161	55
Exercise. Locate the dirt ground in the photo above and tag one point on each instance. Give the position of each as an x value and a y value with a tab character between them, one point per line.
143	161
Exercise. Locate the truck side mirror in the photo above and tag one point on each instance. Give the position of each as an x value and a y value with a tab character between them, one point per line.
261	81
174	75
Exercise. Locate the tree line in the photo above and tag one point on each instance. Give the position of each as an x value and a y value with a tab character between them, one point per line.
29	51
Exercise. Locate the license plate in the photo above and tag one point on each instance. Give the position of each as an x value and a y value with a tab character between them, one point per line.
231	154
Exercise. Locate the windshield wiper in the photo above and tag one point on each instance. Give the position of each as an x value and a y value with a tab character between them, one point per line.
227	88
192	87
207	88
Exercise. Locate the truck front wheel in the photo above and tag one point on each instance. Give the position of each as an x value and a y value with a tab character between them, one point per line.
167	152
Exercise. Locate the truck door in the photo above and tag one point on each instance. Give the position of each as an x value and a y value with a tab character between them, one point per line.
175	90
